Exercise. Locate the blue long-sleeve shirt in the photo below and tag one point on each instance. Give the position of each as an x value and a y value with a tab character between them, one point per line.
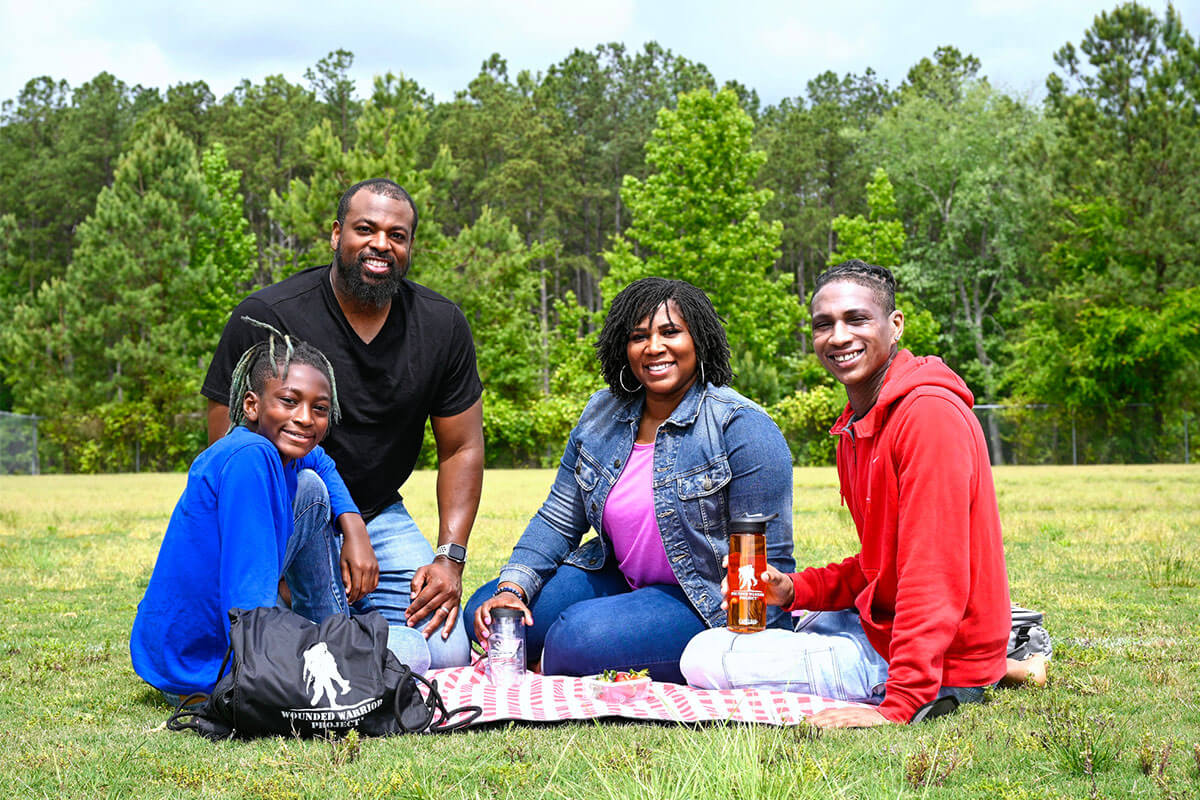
224	548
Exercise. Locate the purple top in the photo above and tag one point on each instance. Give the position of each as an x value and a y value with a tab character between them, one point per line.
630	522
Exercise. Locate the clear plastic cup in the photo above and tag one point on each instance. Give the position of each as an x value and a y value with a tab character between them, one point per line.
506	647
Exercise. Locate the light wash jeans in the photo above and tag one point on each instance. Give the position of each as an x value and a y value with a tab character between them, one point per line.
828	655
314	575
401	550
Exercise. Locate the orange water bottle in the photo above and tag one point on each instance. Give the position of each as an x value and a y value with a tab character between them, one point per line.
747	561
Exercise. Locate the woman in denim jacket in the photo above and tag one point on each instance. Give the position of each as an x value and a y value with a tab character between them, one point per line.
658	464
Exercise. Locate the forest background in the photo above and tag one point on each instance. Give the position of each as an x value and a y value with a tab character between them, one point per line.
1046	250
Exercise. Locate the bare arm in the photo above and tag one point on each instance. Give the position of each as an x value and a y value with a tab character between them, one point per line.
218	420
459	482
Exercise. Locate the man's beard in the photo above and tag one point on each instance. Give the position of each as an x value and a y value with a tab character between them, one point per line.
375	293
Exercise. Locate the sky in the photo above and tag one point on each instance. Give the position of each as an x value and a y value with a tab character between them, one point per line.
772	46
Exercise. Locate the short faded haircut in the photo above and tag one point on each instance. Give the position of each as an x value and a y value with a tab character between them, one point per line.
380	186
879	280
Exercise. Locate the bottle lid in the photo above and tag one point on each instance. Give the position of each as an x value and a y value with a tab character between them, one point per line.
750	523
503	612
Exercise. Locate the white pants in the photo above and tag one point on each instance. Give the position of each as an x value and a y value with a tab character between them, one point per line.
830	657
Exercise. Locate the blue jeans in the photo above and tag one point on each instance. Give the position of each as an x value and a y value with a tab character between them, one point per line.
401	550
314	575
585	622
310	561
828	655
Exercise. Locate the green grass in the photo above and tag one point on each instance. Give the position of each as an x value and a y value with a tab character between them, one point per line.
1109	553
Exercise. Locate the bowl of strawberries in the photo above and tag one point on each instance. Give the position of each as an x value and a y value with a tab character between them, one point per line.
618	686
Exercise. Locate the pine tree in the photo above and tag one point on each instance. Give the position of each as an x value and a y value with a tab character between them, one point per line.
112	353
224	248
697	217
388	138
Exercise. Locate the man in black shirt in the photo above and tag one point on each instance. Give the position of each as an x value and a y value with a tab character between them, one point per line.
401	354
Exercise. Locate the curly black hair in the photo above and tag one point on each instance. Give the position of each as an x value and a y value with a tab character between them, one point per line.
380	186
879	280
271	358
641	299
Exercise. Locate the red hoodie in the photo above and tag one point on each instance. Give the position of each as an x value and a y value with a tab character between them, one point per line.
930	583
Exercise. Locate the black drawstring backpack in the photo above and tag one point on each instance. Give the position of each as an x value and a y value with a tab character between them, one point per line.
290	677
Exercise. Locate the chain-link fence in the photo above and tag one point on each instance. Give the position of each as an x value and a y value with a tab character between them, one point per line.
1138	433
19	444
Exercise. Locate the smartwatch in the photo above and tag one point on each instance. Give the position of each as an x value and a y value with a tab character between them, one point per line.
455	552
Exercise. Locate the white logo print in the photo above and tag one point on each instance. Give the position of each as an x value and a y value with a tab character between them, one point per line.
321	673
746	580
323	677
503	649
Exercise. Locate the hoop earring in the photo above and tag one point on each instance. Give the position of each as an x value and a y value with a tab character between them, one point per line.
703	381
621	380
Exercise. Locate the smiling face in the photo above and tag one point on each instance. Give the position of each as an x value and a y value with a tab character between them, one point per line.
855	339
662	354
292	413
373	248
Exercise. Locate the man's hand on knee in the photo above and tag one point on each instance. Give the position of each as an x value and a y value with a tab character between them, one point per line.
436	593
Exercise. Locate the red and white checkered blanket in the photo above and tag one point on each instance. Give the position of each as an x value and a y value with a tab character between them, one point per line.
556	697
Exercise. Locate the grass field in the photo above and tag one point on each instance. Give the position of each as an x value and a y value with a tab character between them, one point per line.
1112	554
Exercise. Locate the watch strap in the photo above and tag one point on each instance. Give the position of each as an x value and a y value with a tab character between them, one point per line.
453	551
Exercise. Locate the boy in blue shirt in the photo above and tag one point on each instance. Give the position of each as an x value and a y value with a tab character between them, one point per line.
253	526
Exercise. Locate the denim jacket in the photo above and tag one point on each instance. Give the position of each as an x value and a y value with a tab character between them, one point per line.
718	455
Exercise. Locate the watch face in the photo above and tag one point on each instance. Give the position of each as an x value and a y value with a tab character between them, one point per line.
454	552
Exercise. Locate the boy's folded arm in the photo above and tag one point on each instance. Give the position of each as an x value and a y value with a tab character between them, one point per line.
360	568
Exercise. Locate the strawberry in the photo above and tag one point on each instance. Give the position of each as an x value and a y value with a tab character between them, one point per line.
620	676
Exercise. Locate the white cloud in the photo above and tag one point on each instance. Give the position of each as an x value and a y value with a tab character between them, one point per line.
547	21
37	42
774	46
797	41
1005	8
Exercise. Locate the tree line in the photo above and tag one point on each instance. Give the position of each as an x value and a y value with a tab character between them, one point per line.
1045	249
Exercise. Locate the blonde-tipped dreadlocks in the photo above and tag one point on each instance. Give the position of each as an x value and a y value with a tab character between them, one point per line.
270	359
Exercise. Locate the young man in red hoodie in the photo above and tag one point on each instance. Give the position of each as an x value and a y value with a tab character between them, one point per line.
922	610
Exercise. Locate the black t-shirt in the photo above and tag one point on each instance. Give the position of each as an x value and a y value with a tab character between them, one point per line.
420	364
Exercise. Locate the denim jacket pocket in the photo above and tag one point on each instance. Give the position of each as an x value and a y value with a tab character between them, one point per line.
701	494
591	555
587	471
